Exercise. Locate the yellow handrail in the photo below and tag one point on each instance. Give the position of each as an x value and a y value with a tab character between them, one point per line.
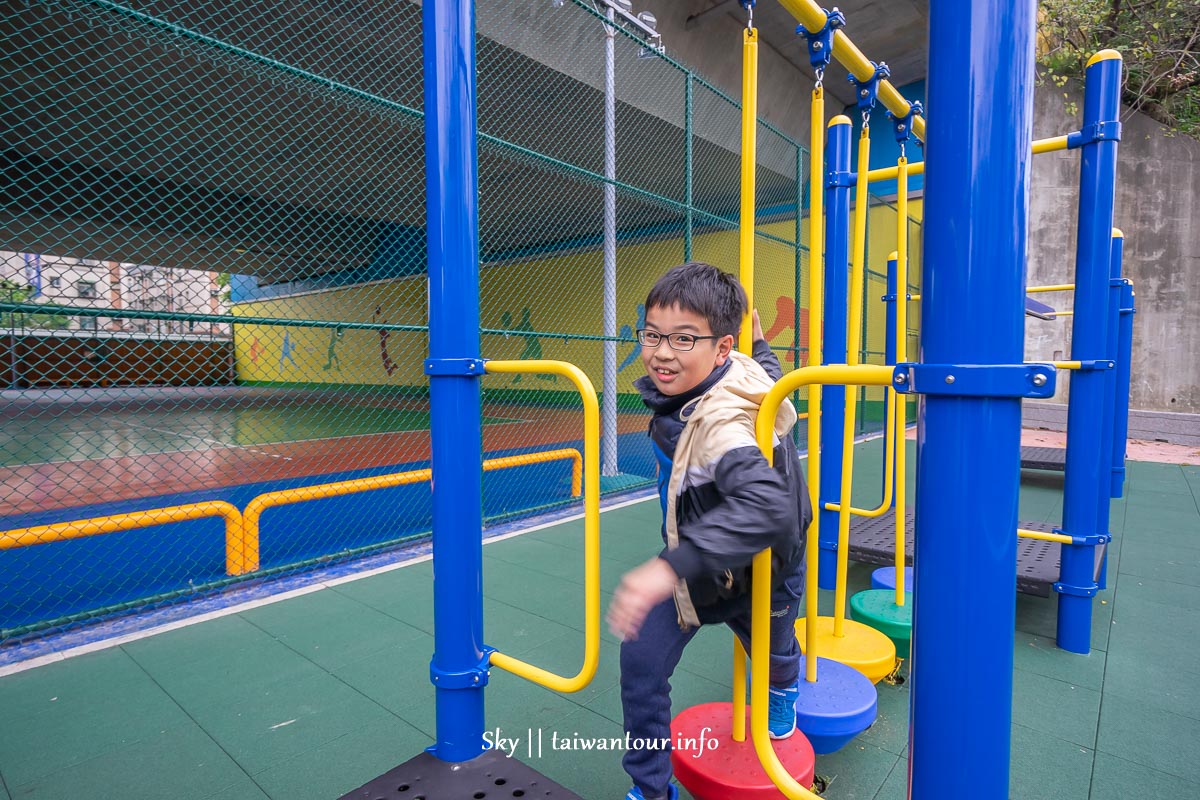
1057	287
303	494
813	18
235	538
918	168
889	456
760	630
591	530
1025	533
525	459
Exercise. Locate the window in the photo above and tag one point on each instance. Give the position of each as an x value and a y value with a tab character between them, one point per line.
86	289
56	283
88	323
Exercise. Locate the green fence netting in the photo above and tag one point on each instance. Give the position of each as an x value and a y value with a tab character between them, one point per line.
213	266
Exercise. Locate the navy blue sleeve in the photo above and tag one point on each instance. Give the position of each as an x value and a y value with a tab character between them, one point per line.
757	511
767	359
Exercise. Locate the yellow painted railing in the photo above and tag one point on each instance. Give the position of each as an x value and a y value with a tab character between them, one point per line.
918	167
525	459
235	542
760	627
1025	533
591	529
242	530
1057	287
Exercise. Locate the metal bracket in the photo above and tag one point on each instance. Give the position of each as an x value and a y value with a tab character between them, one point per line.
1102	131
1097	363
1085	541
820	43
474	678
868	91
839	180
455	366
891	298
975	380
903	125
1078	591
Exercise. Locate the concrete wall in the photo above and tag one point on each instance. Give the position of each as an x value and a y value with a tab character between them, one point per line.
1158	210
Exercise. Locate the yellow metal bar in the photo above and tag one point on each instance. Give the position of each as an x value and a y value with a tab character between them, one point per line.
1064	313
321	491
749	156
525	459
853	344
889	456
810	14
918	168
235	542
739	691
591	529
900	400
1050	145
1067	364
1058	287
1024	533
760	625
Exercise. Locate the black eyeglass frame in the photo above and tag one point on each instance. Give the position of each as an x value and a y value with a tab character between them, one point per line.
695	337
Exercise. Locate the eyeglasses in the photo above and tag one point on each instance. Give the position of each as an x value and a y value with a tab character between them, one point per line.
676	341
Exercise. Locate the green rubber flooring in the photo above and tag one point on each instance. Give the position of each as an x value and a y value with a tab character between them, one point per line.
313	696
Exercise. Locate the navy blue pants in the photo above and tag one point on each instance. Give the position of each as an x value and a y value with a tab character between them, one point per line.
648	662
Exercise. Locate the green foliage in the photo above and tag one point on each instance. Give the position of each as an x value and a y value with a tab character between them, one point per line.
13	292
1160	43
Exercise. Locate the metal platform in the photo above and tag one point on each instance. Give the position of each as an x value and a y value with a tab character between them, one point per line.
872	541
492	774
1048	458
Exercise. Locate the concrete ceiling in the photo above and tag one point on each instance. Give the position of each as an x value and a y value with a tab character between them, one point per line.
894	31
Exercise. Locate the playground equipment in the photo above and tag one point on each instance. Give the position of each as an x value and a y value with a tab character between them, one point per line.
972	381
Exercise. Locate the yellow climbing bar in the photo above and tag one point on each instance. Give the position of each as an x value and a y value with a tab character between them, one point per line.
591	529
1025	533
749	145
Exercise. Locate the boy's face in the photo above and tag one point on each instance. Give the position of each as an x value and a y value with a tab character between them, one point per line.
677	371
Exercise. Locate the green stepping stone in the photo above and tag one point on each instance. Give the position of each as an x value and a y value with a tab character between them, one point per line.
877	608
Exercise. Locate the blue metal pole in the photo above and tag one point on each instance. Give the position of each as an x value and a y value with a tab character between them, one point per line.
839	183
1113	406
889	353
1088	468
1104	496
980	136
1121	415
457	441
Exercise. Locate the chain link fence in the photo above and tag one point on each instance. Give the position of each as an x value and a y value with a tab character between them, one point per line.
212	249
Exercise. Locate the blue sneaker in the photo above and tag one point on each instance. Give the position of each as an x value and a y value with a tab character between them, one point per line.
781	711
672	794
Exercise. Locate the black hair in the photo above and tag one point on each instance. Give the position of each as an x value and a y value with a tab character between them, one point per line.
705	290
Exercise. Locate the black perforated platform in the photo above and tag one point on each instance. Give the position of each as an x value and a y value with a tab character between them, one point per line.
490	775
1051	458
872	541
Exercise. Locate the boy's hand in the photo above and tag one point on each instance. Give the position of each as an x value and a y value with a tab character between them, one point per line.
641	589
756	326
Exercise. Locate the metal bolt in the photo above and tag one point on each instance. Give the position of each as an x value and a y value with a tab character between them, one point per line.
818	45
949	379
475	678
1039	379
863	93
901	127
901	378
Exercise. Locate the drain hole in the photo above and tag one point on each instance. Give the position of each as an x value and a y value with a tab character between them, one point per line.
500	781
479	795
404	787
518	792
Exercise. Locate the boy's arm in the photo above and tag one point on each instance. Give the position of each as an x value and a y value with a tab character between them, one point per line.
762	352
758	511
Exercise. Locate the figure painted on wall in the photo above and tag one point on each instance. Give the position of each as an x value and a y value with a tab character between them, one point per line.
785	319
287	352
533	346
627	332
389	366
331	357
256	350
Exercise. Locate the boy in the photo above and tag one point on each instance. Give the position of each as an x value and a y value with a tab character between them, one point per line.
721	503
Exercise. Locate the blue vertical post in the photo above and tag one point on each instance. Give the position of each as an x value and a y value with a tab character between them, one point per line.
890	299
453	367
1088	468
1121	414
979	147
1104	495
838	186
